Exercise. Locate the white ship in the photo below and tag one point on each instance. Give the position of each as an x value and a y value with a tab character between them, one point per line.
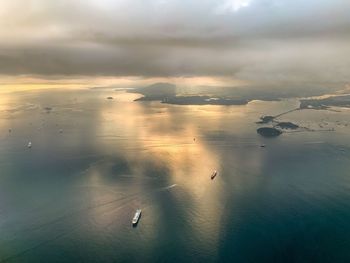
136	218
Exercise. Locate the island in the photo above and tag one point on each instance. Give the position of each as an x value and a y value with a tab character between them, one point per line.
266	119
202	100
155	92
166	93
269	132
287	125
323	104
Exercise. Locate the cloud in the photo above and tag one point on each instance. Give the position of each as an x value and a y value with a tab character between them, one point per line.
232	6
257	40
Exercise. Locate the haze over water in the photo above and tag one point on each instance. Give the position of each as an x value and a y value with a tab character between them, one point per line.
71	197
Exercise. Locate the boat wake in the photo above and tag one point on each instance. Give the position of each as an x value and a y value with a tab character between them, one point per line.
169	187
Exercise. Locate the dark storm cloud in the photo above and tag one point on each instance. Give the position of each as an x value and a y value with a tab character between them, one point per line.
261	40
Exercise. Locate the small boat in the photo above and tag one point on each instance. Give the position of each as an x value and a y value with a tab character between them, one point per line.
136	218
29	145
213	175
262	145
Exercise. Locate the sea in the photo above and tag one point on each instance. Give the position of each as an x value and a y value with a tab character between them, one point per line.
94	160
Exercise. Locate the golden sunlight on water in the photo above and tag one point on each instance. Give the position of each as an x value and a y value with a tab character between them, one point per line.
177	144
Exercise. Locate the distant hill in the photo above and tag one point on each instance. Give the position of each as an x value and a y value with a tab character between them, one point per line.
157	91
166	92
203	100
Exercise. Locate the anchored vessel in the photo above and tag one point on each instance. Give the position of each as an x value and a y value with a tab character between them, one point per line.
213	175
136	218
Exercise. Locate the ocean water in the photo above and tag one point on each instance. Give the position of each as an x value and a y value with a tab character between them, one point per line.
93	162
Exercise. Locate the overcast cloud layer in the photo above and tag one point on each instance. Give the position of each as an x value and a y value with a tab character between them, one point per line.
258	40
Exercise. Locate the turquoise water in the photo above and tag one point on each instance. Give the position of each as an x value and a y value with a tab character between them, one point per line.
72	196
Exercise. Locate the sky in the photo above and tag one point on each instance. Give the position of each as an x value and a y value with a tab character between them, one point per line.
261	41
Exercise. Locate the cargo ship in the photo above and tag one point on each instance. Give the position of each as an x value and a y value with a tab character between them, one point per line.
136	218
